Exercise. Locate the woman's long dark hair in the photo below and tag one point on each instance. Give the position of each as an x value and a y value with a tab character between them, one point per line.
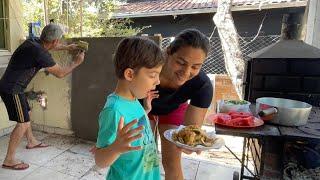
189	37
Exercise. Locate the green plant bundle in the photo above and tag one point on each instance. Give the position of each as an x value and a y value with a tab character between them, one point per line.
83	45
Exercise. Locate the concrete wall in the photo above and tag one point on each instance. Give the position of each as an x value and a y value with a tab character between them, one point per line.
222	89
92	82
313	24
56	117
14	35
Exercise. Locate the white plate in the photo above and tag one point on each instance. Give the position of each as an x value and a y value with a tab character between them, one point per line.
219	142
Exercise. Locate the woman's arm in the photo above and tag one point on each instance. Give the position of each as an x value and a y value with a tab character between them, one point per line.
200	101
194	115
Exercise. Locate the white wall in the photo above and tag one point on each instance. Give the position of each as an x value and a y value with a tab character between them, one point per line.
16	33
57	117
313	24
15	36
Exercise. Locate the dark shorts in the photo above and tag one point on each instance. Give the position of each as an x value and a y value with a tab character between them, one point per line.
17	107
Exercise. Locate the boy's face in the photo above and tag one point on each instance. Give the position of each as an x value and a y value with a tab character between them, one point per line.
145	80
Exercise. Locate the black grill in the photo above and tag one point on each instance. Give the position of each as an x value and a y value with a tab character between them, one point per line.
287	69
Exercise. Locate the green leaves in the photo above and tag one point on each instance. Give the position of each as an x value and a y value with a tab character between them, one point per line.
96	17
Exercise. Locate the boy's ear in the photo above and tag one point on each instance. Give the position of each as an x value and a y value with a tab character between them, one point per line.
128	74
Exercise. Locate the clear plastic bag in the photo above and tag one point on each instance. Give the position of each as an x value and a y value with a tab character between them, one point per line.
225	106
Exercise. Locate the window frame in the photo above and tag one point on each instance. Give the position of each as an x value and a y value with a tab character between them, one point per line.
5	53
6	49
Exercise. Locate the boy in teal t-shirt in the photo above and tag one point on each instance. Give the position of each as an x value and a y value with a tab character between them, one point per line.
125	139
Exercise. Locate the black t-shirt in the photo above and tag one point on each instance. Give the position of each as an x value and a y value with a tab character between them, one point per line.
25	62
198	90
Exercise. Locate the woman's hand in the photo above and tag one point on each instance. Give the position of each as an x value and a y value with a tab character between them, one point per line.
147	101
125	136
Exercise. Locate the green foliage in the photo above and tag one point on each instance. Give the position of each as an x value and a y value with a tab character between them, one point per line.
32	12
118	28
96	17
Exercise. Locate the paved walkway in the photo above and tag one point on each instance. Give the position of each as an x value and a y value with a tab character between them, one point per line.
68	158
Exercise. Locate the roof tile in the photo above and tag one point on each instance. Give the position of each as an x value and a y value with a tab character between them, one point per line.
162	6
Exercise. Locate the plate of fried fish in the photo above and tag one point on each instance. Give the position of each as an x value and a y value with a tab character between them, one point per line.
194	138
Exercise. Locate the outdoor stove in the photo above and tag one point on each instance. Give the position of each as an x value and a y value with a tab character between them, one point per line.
289	69
301	158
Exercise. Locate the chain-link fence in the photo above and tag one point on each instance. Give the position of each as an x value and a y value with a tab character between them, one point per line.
215	61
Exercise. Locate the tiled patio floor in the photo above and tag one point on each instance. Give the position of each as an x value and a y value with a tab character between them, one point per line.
69	158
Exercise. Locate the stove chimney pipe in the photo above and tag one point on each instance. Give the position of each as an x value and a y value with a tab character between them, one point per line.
290	26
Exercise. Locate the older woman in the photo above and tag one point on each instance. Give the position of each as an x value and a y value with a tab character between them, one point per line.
185	93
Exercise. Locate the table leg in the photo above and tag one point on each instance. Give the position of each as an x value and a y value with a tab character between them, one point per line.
245	153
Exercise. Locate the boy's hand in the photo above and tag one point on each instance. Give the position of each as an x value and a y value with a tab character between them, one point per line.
126	135
147	101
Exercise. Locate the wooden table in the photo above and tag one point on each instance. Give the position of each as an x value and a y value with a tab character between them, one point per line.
259	136
270	130
295	132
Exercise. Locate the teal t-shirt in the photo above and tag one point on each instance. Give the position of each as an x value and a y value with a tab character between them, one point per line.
133	165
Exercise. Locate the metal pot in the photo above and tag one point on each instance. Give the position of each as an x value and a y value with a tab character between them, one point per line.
283	111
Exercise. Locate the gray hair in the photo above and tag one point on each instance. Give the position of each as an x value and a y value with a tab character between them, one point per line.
51	32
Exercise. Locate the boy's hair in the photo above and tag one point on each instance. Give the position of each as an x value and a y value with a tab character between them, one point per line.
189	37
135	53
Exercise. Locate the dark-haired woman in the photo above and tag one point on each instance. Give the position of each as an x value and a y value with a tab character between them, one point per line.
185	93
